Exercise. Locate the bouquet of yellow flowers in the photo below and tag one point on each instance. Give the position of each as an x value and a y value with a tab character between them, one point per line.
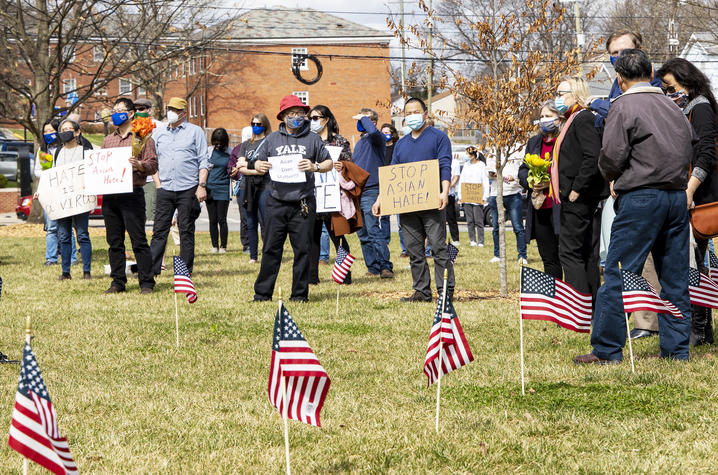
45	160
538	178
142	128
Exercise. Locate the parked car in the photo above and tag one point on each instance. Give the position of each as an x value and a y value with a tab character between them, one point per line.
24	205
8	165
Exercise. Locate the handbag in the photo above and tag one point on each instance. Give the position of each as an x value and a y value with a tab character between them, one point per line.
704	220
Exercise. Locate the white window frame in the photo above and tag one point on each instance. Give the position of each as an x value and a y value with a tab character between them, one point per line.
201	105
193	107
305	64
98	54
192	66
120	83
68	85
141	91
303	95
66	52
102	91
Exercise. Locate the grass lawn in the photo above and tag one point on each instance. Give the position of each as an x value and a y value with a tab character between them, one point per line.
129	401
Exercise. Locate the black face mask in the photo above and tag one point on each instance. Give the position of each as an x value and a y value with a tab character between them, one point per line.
66	137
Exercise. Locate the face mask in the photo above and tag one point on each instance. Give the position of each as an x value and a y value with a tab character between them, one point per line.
406	130
119	118
66	136
561	106
388	137
257	129
295	122
172	117
142	114
680	98
50	138
360	127
415	121
316	126
613	60
547	125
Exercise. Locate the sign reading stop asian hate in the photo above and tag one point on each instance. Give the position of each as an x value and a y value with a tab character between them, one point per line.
472	193
408	187
326	188
61	191
109	171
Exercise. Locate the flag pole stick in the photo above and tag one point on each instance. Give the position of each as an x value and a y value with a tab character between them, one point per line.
285	404
28	337
521	336
176	320
441	348
628	332
337	313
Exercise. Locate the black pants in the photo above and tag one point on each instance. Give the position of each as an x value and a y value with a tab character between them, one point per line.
451	218
547	241
126	212
217	211
576	244
185	202
324	218
243	232
285	219
701	317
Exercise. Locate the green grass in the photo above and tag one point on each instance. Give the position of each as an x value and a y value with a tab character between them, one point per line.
129	401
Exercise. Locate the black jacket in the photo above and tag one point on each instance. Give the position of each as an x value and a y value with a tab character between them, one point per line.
703	119
578	159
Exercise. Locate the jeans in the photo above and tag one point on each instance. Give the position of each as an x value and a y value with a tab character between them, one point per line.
64	230
514	204
253	218
475	222
401	234
655	221
386	228
371	236
51	242
324	244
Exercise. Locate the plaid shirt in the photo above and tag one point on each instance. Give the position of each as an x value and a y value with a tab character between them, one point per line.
148	155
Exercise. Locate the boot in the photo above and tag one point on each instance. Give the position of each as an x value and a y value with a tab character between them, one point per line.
698	325
708	331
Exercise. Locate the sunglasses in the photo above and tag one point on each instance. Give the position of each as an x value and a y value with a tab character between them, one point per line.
316	117
258	124
669	90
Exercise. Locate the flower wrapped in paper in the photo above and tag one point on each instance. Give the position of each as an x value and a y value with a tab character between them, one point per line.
539	177
45	160
142	129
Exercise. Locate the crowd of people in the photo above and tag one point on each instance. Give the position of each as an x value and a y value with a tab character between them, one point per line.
633	163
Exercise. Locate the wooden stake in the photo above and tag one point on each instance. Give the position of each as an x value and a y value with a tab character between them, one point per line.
628	330
28	338
441	348
337	313
521	337
176	320
285	402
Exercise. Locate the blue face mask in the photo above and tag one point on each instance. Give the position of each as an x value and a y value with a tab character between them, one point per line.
613	60
258	129
680	98
295	122
561	106
360	127
415	121
50	138
547	125
406	130
119	118
388	137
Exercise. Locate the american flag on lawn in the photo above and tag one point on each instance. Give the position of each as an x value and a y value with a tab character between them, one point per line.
342	265
33	431
453	252
183	281
703	291
544	297
639	294
455	352
713	266
305	381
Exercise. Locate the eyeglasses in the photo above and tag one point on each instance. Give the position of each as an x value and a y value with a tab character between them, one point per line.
316	117
295	114
257	124
669	90
563	93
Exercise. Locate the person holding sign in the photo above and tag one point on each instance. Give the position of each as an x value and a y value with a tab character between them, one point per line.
425	143
291	155
474	177
126	211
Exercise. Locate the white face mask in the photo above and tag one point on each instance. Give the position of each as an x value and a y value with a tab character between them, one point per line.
172	117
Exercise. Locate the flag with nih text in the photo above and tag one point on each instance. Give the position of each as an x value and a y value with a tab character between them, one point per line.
33	431
453	252
703	291
183	281
639	294
455	351
713	266
342	265
305	381
544	297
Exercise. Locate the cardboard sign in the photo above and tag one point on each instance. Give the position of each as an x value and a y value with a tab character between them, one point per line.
472	193
285	169
326	189
334	151
108	171
61	191
408	187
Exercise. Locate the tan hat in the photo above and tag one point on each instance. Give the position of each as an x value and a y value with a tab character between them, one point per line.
177	103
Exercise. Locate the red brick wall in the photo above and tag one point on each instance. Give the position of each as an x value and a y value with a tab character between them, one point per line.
8	199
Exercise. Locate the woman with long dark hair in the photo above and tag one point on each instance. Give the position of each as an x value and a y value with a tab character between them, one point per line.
218	190
690	89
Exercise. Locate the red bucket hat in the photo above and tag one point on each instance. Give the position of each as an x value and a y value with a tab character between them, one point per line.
291	101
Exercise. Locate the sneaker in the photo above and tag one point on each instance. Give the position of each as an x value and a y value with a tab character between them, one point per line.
455	243
494	259
322	262
416	297
481	244
371	274
214	250
223	250
50	263
253	261
246	250
472	244
261	298
64	276
114	290
387	274
523	261
86	276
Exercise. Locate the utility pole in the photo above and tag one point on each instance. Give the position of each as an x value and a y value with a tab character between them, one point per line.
430	71
673	32
403	47
580	39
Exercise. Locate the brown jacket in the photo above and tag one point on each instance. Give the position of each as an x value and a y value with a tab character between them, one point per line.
341	225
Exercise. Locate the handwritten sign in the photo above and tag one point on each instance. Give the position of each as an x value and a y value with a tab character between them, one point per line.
108	171
472	193
285	169
61	191
334	151
408	187
326	189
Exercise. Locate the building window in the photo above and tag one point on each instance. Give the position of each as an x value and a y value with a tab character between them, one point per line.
125	87
68	53
98	54
182	70
141	91
201	64
100	87
303	95
192	66
201	105
193	106
297	51
68	85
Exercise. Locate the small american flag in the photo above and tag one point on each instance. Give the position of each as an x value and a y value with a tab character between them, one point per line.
305	381
455	352
544	297
713	266
703	291
639	294
342	265
33	432
453	252
183	281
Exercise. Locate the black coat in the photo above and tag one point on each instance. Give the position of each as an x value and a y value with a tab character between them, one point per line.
703	120
534	147
578	160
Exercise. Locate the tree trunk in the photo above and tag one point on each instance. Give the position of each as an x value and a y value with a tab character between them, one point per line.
502	222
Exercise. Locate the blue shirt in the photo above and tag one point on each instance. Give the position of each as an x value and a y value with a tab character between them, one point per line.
181	154
432	144
370	152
